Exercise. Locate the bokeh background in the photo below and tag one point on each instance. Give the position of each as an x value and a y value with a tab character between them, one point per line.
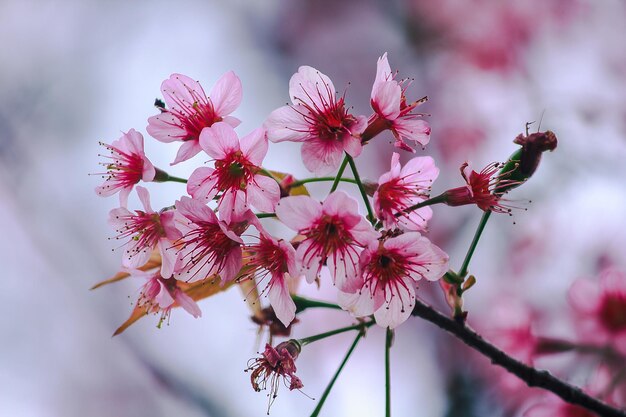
76	72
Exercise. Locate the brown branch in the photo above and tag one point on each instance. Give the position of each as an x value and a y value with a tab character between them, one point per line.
531	376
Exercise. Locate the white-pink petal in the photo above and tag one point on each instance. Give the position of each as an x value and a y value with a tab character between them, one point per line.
254	146
201	184
312	87
226	94
281	300
298	212
286	124
219	140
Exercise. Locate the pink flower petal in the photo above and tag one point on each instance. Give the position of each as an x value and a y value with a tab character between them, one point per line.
168	257
352	146
397	309
226	94
219	140
358	304
383	72
144	197
201	184
195	210
312	87
187	303
281	300
386	98
298	212
321	156
286	124
584	296
181	92
254	146
187	151
413	129
264	193
165	128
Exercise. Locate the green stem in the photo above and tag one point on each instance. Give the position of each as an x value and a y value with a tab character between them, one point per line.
265	215
304	303
342	168
360	326
472	248
162	176
320	179
176	179
320	404
388	341
355	172
269	174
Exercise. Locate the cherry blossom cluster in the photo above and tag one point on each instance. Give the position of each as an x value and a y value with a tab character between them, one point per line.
217	234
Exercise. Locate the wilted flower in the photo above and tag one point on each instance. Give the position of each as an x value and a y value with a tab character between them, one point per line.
275	364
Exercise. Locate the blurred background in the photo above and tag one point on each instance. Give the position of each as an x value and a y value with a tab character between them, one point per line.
76	72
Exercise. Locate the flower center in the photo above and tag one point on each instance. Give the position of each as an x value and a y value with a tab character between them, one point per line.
233	172
613	312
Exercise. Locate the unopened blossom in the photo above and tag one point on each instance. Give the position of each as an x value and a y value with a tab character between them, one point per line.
146	230
237	173
600	307
160	295
274	365
481	189
334	232
127	165
208	246
273	263
319	119
389	271
189	110
393	112
403	187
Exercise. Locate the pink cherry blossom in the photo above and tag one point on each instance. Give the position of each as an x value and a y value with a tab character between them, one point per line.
237	173
127	166
555	407
390	270
481	189
392	110
509	326
159	295
601	308
275	364
273	263
334	233
208	246
403	187
145	231
318	118
191	110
